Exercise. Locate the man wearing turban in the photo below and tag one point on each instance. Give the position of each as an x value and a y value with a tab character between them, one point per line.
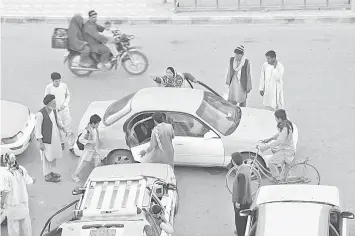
47	132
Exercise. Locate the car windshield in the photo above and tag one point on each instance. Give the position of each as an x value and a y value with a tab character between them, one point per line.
292	218
118	109
220	114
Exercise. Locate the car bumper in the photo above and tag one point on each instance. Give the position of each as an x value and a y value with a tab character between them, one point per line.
21	145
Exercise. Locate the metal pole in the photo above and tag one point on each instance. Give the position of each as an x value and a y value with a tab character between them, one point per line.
217	2
327	3
283	3
195	4
238	4
305	4
261	3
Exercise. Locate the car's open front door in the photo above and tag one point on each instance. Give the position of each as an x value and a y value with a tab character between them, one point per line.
48	230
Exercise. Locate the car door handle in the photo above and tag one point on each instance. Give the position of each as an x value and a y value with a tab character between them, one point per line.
179	144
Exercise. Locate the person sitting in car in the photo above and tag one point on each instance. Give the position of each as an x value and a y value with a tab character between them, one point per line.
76	40
174	79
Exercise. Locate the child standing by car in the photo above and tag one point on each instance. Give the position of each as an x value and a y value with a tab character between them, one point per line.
91	141
111	38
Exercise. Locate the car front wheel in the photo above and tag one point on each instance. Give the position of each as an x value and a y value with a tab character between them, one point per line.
119	157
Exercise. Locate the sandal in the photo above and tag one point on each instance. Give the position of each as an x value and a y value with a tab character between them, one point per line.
52	179
55	175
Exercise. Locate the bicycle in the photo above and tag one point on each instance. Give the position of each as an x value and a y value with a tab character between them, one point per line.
290	173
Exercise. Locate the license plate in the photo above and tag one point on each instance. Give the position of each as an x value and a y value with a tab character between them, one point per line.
103	232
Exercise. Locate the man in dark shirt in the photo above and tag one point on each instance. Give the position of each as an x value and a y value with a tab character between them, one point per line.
241	196
96	40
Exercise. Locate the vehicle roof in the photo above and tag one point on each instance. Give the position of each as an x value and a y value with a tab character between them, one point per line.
161	171
307	193
293	219
168	99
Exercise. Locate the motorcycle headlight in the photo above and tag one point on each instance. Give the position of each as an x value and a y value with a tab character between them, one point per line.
12	139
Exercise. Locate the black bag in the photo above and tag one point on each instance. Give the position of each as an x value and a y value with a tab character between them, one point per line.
79	144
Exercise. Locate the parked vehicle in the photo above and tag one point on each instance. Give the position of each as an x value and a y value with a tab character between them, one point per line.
207	128
295	210
122	200
17	127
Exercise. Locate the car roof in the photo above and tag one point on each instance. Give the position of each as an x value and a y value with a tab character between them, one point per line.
167	99
298	192
293	219
157	170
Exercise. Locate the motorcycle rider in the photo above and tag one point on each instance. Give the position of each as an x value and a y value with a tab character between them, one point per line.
174	79
76	40
96	40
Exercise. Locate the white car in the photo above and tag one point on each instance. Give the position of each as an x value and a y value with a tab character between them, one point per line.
17	127
294	210
207	128
124	200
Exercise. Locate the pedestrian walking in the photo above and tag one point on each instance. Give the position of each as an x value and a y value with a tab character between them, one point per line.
91	140
241	196
15	197
238	78
161	149
271	82
62	97
48	126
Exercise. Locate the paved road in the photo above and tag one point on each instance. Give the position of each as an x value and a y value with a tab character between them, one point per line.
319	82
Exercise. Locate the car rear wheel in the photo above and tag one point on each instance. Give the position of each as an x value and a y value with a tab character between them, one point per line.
119	157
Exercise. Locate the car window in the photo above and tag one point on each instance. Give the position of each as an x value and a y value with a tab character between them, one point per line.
186	125
119	108
220	114
139	129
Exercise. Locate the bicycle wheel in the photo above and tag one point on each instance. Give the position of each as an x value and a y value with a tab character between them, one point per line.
303	173
255	180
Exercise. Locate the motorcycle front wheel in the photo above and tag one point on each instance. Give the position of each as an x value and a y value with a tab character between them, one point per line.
135	63
74	61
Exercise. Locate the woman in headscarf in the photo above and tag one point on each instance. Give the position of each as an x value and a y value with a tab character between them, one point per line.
15	199
76	40
174	79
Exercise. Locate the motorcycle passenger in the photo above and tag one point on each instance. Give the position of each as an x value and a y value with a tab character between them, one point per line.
96	41
111	43
283	147
174	79
76	40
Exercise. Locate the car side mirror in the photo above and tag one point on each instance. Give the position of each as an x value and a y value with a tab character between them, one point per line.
78	191
155	209
347	215
210	135
246	212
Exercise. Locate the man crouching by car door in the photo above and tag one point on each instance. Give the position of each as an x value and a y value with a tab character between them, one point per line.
241	196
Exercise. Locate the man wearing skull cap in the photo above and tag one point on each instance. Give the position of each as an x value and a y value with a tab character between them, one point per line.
47	132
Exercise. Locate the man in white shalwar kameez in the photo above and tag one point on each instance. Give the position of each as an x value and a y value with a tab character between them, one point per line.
271	82
47	132
15	197
62	98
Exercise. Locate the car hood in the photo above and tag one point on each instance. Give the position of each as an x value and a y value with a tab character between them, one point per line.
110	136
13	118
97	107
131	228
256	124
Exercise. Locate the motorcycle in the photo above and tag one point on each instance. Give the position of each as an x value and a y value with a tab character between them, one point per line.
129	57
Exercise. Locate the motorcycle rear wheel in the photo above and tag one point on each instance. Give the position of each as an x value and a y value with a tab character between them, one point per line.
128	63
74	61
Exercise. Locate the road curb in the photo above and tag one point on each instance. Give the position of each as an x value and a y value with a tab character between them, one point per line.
191	20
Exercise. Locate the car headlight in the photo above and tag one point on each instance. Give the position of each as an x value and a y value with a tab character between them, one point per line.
12	139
